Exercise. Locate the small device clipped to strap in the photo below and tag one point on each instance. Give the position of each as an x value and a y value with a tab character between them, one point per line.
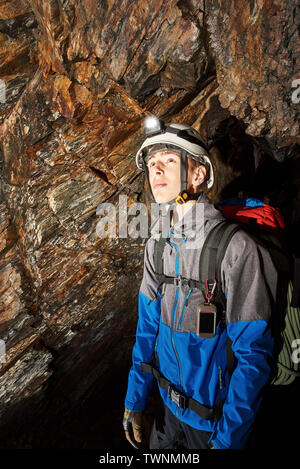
207	314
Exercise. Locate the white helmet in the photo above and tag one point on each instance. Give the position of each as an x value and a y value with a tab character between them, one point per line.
175	136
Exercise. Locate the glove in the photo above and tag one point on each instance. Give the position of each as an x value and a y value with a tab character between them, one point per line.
132	424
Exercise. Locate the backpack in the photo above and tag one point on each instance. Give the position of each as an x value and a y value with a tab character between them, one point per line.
266	225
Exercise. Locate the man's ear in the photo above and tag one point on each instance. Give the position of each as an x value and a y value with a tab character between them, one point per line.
199	175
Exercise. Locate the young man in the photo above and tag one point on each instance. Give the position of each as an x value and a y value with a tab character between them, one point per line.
201	407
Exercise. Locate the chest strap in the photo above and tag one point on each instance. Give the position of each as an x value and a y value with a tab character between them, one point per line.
178	281
184	402
159	269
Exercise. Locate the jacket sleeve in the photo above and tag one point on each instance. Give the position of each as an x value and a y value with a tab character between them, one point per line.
140	382
250	282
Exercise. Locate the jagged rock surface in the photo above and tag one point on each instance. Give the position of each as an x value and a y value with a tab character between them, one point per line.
79	77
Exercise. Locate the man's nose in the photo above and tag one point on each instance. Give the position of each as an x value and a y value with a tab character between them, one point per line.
159	166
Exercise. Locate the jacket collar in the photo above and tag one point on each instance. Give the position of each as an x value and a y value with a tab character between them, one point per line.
192	222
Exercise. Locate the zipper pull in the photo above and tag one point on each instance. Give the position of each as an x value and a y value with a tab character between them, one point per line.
220	378
187	297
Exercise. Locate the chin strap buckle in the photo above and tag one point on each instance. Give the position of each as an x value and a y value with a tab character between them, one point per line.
182	198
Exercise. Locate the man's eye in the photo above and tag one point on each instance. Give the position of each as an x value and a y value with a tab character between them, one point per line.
152	163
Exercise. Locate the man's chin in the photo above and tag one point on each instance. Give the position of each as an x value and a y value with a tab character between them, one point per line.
160	199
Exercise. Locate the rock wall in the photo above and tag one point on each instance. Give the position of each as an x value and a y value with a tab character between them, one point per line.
78	76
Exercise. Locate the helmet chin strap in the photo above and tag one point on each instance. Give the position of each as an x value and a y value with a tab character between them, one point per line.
183	196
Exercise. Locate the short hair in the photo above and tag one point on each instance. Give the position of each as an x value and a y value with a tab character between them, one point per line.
195	163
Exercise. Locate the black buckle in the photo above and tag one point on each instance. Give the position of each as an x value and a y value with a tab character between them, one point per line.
178	281
176	397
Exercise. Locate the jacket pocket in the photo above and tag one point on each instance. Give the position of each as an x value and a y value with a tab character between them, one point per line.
185	302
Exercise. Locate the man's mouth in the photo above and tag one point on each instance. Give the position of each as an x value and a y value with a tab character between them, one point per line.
158	185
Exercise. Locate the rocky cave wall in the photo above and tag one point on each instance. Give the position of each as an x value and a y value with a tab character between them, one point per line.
77	78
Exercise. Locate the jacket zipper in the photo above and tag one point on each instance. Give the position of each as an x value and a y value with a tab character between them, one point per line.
177	269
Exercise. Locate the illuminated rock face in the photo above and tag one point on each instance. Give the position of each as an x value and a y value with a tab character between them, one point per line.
77	77
256	47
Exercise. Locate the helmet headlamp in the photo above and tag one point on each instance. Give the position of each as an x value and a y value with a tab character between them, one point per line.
153	126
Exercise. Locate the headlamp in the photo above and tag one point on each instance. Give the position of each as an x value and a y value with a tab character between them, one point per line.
153	126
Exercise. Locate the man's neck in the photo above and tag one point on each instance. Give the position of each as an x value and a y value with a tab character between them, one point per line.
181	210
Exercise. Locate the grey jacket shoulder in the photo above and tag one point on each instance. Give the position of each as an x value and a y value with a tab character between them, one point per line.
249	279
149	282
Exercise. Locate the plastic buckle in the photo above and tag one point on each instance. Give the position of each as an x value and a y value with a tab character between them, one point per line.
178	281
176	397
182	198
179	200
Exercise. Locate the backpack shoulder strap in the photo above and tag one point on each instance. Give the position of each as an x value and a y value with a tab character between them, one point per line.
211	257
212	254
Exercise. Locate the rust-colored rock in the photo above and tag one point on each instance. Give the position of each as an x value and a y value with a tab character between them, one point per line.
256	48
79	78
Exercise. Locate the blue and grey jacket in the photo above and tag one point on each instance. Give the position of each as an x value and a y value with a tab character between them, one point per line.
196	366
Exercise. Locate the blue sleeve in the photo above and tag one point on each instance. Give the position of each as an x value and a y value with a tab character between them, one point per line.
252	345
250	284
140	382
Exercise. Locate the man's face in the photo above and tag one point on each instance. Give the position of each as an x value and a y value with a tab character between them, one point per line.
164	175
